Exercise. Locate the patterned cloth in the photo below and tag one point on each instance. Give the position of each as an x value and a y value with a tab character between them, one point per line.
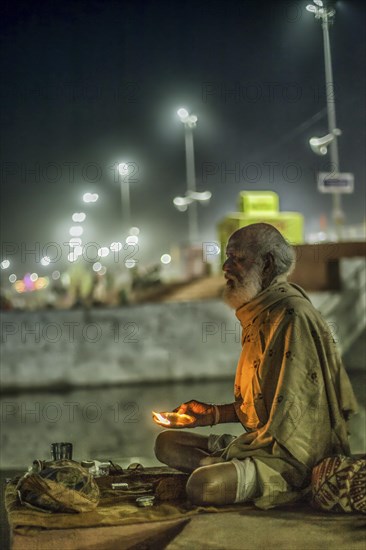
339	484
59	486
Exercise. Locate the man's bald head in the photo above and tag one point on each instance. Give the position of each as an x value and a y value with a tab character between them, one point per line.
256	255
263	240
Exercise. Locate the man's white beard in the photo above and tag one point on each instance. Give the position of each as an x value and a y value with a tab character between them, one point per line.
241	293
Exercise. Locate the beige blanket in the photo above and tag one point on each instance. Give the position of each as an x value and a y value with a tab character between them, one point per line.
116	507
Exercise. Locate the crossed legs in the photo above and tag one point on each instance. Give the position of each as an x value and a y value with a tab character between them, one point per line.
212	484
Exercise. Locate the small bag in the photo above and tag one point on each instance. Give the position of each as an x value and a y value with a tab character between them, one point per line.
59	486
338	484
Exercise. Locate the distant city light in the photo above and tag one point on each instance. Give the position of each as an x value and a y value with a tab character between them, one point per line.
65	279
123	168
72	257
5	264
56	275
19	286
97	266
75	241
28	281
103	252
166	259
130	263
12	278
33	277
45	260
116	247
76	231
90	197
78	217
134	231
132	240
42	282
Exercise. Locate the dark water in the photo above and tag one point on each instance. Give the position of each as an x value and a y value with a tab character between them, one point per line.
115	423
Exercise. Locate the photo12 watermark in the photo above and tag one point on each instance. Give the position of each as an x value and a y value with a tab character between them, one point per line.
34	412
26	332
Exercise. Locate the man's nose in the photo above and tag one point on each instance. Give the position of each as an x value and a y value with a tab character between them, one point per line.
225	265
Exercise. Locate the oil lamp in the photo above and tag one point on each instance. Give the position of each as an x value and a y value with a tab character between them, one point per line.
173	419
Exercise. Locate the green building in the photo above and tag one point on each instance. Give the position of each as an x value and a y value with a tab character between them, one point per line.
261	206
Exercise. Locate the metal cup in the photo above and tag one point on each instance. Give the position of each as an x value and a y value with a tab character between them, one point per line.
61	450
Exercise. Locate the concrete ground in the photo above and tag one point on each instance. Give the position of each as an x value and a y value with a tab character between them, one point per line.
299	528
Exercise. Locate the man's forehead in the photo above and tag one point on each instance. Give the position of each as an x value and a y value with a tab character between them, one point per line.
238	245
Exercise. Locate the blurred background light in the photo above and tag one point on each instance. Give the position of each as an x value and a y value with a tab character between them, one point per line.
78	217
166	259
76	231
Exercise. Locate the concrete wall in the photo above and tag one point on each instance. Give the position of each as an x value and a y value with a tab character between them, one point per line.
151	342
107	346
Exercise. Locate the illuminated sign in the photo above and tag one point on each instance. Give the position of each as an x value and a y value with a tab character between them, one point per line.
336	182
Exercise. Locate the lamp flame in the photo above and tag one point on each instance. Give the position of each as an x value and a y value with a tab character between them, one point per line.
161	418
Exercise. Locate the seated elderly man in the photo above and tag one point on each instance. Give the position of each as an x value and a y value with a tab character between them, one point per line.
292	394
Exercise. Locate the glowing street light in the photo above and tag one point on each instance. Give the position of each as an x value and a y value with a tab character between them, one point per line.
182	203
72	256
132	240
130	264
5	264
190	122
78	217
75	241
116	246
90	197
166	259
320	145
103	252
76	231
45	261
123	169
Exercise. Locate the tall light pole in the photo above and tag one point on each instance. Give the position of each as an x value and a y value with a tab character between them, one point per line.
326	15
190	122
123	169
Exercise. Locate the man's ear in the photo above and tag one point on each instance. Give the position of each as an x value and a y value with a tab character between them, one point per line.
268	264
268	269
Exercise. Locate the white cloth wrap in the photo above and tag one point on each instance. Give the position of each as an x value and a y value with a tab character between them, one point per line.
247	487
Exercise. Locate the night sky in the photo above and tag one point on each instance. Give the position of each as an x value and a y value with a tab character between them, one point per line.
86	85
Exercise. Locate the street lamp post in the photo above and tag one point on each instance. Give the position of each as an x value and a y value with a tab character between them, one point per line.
326	15
125	195
190	122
